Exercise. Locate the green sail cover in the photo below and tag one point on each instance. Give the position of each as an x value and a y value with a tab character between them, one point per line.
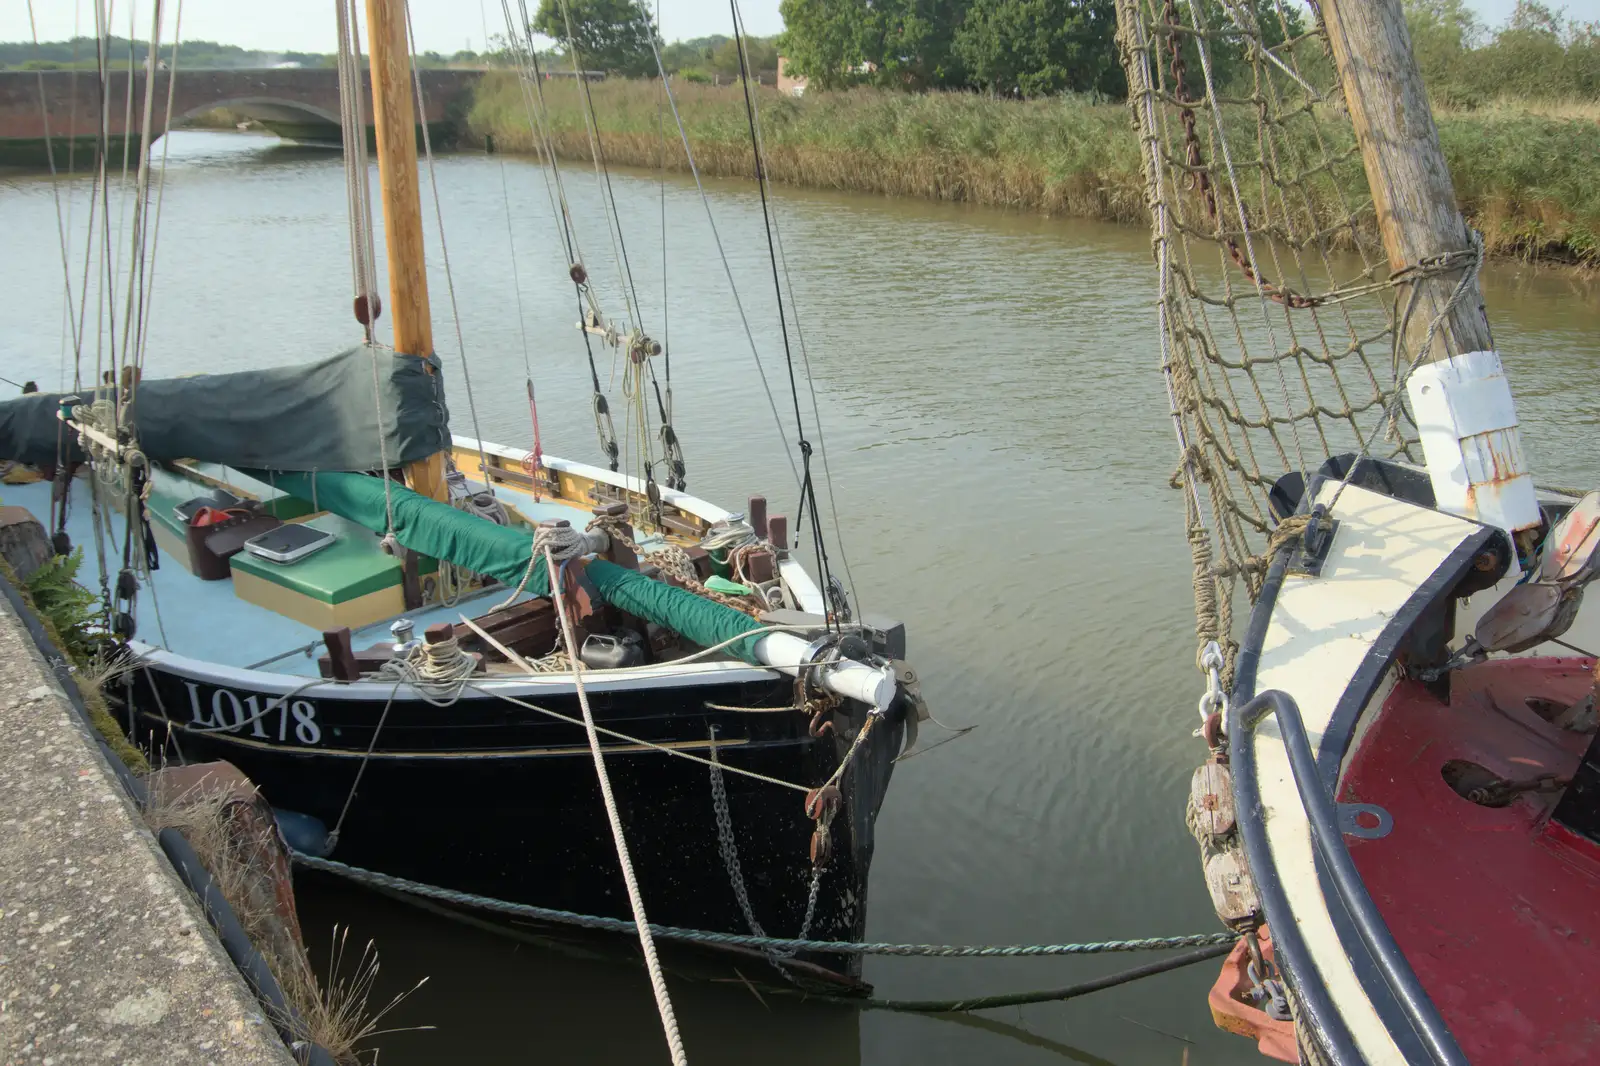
441	531
423	525
695	617
309	416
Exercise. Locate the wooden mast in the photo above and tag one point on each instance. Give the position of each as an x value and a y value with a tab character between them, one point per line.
394	120
1460	397
1411	188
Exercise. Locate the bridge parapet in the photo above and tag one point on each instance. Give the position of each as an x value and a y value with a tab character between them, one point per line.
297	103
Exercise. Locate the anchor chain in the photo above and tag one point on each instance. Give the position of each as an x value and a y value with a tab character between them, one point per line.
674	562
729	847
1200	173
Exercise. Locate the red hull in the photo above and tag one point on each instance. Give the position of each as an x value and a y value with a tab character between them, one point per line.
1496	910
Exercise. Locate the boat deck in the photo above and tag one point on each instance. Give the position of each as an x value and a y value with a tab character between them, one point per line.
1499	922
206	620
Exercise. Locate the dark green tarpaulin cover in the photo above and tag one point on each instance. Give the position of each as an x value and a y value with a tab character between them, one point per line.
443	532
314	416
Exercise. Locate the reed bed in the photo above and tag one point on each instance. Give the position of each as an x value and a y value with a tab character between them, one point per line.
1528	178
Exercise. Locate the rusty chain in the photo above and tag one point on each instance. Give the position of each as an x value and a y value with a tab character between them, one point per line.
1200	173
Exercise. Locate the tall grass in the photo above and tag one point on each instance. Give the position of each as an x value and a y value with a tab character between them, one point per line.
336	1014
1530	181
1055	156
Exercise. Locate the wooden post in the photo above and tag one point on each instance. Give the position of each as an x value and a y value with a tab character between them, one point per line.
1464	411
341	656
394	120
1411	188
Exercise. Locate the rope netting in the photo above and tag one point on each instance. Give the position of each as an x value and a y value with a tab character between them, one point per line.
1277	307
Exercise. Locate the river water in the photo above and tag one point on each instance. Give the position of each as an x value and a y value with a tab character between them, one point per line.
1000	451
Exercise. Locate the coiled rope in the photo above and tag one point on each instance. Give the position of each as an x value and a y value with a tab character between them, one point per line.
438	672
374	879
561	543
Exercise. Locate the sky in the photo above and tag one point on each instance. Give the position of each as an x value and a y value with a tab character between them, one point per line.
308	25
441	25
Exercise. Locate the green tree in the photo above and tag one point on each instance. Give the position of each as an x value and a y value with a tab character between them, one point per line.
609	35
762	55
1038	47
695	53
1227	52
1442	33
1539	53
899	43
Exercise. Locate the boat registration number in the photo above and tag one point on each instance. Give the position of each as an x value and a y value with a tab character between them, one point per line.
289	721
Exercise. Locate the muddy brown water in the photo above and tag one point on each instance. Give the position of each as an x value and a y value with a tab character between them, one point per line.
1000	452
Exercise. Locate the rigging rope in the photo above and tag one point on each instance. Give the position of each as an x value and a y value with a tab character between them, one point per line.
358	191
639	348
807	487
526	57
161	190
367	304
537	455
50	157
677	473
722	254
133	313
444	251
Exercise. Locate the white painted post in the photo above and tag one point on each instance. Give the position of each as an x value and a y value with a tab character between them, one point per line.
1468	425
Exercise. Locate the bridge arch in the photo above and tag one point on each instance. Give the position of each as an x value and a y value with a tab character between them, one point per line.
293	120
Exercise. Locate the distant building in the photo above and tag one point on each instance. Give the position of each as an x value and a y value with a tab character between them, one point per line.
789	83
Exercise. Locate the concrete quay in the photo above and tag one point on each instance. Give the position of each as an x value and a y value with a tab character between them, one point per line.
105	956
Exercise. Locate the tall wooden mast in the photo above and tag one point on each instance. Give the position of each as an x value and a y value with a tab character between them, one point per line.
1460	397
1411	187
394	119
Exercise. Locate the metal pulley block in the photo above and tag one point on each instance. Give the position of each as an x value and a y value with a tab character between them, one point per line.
821	847
1211	802
641	347
1233	890
823	803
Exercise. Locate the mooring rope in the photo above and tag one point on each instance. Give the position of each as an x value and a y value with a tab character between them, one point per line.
374	879
658	980
945	1007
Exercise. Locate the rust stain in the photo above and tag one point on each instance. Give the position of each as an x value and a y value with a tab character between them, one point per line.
1502	460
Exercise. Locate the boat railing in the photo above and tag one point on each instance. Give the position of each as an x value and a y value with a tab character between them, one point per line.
1328	839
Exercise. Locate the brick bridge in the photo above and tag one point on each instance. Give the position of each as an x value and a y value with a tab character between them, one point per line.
298	104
